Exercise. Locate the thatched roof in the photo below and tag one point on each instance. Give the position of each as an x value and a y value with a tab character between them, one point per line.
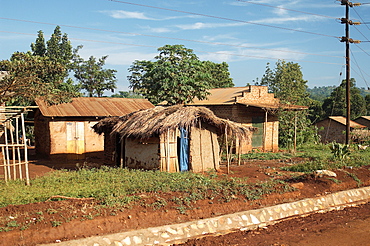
155	121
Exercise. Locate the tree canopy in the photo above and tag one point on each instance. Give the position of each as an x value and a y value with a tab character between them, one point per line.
46	71
287	83
177	76
31	76
335	104
93	78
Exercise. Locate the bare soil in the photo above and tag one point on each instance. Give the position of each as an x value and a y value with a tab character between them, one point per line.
49	221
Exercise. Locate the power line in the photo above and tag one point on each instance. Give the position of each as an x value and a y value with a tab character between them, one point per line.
362	50
164	37
223	18
363	22
198	51
361	72
277	7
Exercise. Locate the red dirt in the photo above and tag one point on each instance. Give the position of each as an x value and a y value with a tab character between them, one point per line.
49	221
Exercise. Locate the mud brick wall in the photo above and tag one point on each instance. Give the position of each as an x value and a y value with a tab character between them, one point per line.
330	131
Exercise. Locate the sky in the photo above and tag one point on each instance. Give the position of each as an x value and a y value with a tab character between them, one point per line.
246	34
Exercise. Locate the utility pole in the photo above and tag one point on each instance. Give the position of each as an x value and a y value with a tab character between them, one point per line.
348	40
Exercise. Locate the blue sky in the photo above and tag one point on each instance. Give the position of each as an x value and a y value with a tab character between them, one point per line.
245	34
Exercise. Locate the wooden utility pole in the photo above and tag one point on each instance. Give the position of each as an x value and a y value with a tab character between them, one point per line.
348	40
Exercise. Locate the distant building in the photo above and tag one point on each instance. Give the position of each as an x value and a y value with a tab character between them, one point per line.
64	130
363	120
249	106
334	128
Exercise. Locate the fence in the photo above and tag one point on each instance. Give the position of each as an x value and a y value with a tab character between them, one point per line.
13	143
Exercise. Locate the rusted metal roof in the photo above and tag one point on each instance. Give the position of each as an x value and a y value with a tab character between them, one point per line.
364	117
343	120
241	95
94	106
221	96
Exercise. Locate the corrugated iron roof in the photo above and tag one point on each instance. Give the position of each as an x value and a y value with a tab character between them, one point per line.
343	120
221	96
365	117
239	95
94	106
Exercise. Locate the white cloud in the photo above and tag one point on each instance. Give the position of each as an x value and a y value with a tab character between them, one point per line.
121	14
280	20
202	25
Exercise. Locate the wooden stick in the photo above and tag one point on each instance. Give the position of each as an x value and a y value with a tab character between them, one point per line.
25	150
227	152
69	198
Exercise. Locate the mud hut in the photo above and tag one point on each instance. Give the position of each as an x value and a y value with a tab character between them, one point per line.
171	139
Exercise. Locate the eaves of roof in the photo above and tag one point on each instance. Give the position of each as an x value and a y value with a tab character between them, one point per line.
94	107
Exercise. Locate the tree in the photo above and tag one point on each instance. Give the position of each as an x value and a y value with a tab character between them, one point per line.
58	49
367	100
126	94
335	104
39	48
93	77
177	76
287	83
31	76
220	75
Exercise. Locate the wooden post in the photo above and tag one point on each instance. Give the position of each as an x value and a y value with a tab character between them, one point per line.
239	150
7	151
295	132
18	148
227	152
168	150
25	150
4	163
265	132
200	146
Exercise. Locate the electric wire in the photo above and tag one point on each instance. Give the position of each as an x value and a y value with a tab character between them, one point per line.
198	51
361	72
164	37
223	18
278	7
362	49
362	20
361	34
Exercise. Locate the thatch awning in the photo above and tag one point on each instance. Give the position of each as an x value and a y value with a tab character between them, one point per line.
146	123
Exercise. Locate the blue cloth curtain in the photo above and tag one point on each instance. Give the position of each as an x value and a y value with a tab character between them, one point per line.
183	150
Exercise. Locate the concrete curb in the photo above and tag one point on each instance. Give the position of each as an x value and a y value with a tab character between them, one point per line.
247	220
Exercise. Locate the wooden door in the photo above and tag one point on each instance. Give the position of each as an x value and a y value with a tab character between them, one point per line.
75	140
257	137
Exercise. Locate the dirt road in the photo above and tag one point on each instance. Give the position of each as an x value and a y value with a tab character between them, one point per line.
348	227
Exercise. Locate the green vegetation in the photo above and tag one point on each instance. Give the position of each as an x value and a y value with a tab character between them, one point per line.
267	156
177	76
329	157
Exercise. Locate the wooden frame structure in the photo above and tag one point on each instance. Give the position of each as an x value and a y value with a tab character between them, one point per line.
13	143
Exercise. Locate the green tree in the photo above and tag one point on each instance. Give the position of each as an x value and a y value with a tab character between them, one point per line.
287	83
58	49
336	103
367	100
177	76
219	74
126	94
31	76
39	47
93	77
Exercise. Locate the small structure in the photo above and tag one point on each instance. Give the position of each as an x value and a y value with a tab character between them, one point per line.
13	143
333	129
363	120
171	139
250	106
64	130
